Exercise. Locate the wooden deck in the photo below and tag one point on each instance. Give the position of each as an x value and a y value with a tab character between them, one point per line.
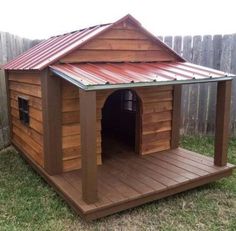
127	181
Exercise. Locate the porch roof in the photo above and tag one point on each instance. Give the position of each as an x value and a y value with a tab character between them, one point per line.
97	76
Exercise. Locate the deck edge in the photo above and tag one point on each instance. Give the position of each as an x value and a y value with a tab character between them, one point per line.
156	196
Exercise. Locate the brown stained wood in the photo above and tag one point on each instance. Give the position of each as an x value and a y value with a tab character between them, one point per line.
75	163
31	78
74	140
117	44
157	96
115	194
171	168
182	165
34	145
74	129
156	136
37	137
151	128
36	125
72	151
222	122
157	107
144	90
156	146
176	117
69	91
209	169
70	104
122	34
71	129
70	117
34	113
27	137
145	175
88	145
113	181
27	149
157	117
136	184
116	56
75	150
51	99
34	102
25	88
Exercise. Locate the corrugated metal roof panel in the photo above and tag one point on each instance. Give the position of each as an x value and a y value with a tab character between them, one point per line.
50	50
110	75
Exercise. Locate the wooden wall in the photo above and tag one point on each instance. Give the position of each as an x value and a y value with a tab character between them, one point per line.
156	116
28	138
123	43
71	128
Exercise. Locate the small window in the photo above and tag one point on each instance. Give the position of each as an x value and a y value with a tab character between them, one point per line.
129	101
23	110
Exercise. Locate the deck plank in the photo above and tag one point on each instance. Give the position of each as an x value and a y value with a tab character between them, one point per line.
148	163
199	158
140	175
117	178
128	173
180	164
114	181
173	168
185	160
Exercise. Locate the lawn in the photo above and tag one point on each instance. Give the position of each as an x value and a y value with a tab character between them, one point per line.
28	203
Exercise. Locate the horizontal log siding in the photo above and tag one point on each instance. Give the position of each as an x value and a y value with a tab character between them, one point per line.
123	43
28	138
71	128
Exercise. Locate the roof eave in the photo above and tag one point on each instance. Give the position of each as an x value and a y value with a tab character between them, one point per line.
138	84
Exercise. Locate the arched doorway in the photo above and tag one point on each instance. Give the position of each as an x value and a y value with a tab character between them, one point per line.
121	123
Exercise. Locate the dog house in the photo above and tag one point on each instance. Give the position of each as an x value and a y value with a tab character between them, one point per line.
97	113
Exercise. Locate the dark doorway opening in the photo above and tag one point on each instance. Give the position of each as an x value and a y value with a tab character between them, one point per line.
120	123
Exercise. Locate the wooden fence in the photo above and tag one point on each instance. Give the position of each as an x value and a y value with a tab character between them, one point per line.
198	102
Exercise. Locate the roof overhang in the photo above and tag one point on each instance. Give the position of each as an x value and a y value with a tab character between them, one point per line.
90	77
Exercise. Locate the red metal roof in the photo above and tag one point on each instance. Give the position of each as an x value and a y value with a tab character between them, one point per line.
50	50
54	48
110	75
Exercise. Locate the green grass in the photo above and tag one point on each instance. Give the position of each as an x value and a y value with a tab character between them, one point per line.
28	203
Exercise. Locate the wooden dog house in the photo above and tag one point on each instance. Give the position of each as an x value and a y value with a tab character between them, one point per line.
97	113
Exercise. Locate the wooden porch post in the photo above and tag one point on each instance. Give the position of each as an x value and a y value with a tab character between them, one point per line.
88	145
176	118
52	134
222	122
